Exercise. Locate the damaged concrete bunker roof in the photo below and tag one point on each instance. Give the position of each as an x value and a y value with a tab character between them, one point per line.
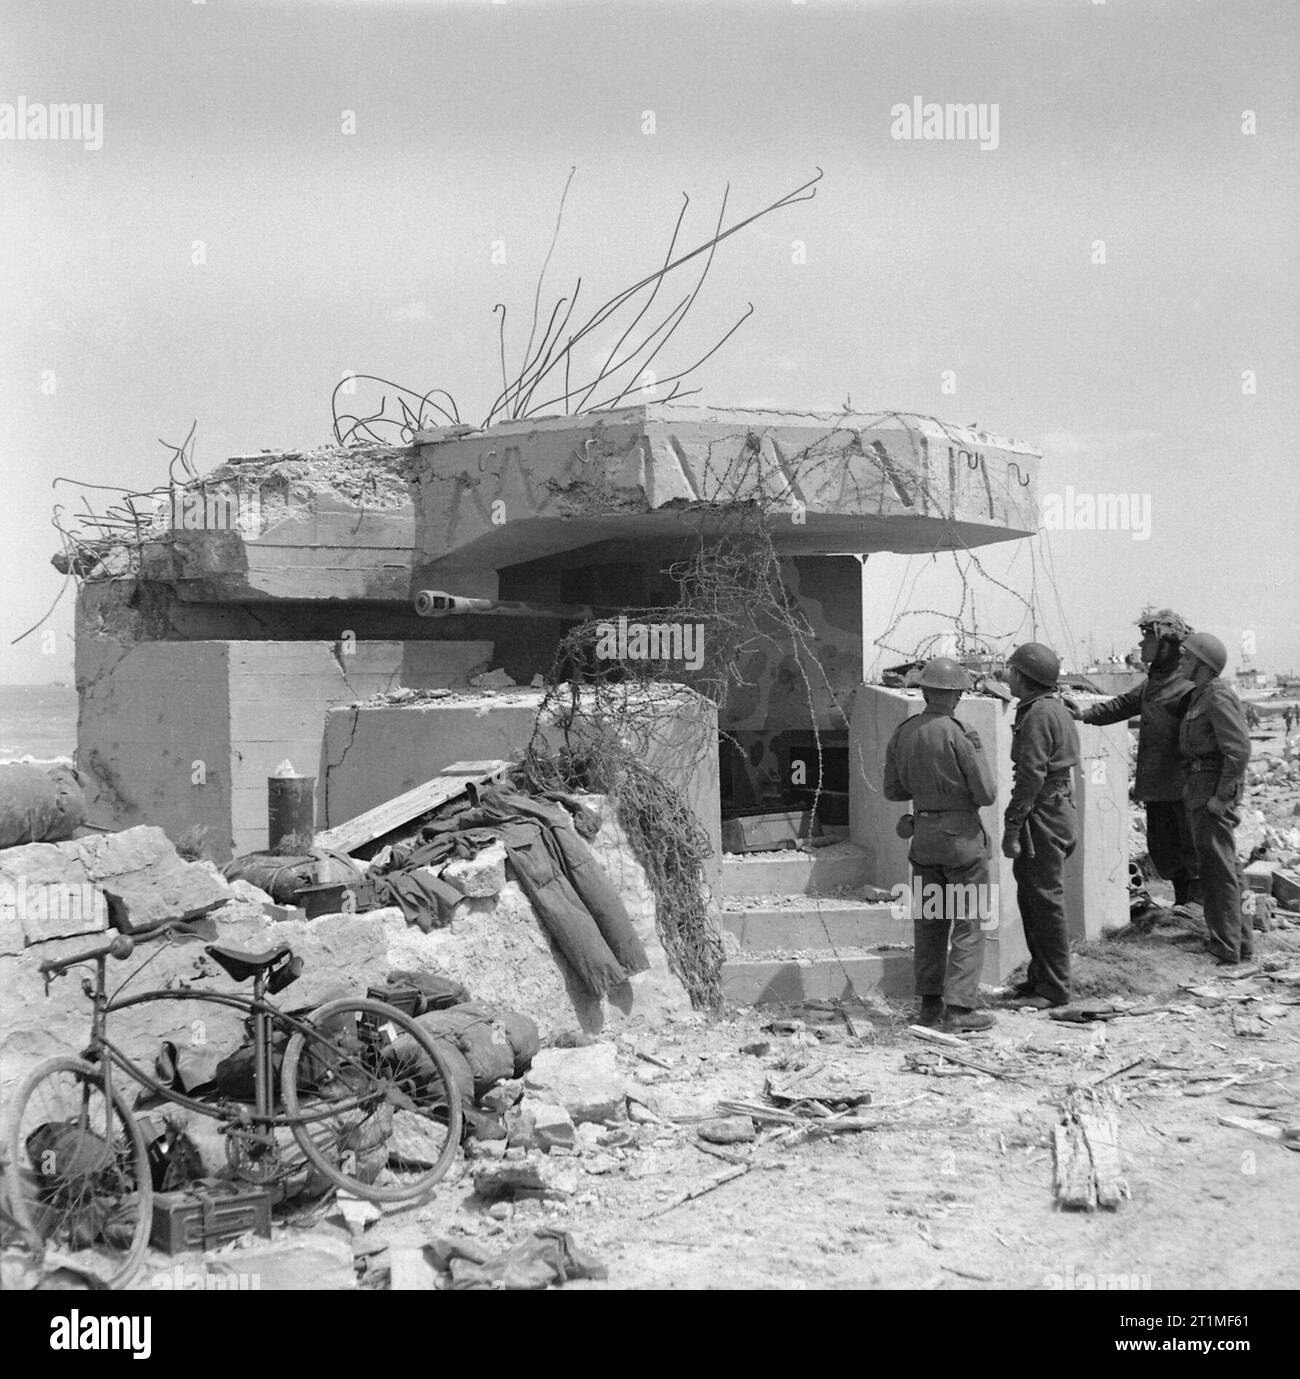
373	523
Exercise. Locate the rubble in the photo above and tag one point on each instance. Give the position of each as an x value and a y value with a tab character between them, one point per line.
587	1081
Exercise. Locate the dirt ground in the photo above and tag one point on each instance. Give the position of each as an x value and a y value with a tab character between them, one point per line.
954	1190
953	1187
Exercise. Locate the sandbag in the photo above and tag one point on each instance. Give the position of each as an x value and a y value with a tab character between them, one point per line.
523	1034
283	877
38	806
482	1040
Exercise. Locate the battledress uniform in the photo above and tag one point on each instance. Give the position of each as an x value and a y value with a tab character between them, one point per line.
1160	700
1040	814
1216	747
936	762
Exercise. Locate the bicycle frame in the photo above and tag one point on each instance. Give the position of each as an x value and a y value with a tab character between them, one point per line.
264	1018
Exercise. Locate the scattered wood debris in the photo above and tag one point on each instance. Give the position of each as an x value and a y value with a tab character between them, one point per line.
1086	1144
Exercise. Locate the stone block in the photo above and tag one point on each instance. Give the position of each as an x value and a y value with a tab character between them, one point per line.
532	1176
479	876
586	1081
553	1127
502	1097
727	1130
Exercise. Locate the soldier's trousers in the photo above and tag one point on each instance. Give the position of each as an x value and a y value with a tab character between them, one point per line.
950	902
1047	838
1216	853
1172	848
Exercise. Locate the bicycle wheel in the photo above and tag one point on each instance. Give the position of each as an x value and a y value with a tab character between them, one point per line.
401	1124
80	1183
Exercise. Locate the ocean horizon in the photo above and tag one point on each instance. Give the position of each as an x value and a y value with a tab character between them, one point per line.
38	723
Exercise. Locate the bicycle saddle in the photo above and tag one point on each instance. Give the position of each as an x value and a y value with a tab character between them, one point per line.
242	966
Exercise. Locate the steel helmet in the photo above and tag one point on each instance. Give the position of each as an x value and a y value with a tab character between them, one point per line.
1207	649
943	673
1164	622
1040	663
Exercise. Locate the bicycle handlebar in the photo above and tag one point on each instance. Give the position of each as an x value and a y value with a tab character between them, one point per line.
119	946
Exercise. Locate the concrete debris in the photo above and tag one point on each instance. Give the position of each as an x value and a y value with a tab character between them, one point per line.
137	872
312	1262
534	1174
494	679
587	1082
727	1130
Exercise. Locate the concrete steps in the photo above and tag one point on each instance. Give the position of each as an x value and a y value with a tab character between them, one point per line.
756	979
794	873
803	947
810	922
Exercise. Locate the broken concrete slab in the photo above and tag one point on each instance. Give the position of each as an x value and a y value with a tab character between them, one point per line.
315	1262
587	1082
135	877
553	1127
532	1175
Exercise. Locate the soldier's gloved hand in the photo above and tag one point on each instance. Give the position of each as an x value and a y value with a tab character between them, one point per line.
1011	843
1074	710
1216	806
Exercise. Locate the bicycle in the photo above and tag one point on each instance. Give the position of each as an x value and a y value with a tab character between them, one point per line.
361	1088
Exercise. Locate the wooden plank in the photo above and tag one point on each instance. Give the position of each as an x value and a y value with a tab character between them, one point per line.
1101	1135
1075	1185
392	814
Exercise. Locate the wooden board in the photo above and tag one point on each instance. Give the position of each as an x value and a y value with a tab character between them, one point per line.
392	814
1086	1145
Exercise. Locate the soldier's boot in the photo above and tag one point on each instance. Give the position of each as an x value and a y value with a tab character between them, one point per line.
961	1020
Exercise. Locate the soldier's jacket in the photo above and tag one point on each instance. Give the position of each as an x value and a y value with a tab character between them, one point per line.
1214	743
1044	753
1161	701
938	763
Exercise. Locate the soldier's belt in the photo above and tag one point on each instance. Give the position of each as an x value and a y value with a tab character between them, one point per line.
1205	764
953	809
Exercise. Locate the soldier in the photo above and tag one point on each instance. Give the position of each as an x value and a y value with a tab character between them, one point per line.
1039	826
1160	702
1216	747
938	763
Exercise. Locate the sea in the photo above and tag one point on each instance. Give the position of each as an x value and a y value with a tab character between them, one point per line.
38	723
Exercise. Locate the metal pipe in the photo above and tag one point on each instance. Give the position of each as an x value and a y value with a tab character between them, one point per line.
434	603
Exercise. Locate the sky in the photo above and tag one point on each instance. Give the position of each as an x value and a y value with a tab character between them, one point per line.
283	193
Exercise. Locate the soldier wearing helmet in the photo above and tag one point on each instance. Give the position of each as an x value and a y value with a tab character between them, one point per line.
1159	703
1215	744
936	762
1039	828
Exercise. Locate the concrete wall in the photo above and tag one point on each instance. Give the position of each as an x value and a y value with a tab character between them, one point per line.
185	733
1097	874
372	753
154	734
